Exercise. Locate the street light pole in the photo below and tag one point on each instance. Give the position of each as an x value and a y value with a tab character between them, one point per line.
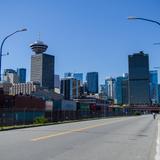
1	47
144	19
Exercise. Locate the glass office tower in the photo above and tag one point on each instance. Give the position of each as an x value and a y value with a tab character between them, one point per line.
139	79
92	82
21	72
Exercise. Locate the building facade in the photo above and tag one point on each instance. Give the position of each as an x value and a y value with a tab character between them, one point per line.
118	90
92	82
125	91
57	83
23	88
5	86
121	90
139	79
103	92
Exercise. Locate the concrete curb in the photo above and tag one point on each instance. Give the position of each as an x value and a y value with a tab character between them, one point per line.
48	124
55	123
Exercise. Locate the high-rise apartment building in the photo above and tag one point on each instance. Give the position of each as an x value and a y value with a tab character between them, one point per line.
21	72
42	65
70	88
110	87
139	78
10	76
92	82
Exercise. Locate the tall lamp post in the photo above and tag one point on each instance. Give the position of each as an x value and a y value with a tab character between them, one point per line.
144	19
1	47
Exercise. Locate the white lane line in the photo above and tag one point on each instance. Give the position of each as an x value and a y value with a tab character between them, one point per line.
157	156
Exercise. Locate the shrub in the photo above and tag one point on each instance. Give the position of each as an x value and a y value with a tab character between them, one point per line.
137	113
40	120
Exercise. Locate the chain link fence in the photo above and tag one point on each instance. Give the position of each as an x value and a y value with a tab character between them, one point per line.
17	116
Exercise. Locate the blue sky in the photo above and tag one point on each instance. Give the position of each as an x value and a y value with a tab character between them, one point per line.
84	35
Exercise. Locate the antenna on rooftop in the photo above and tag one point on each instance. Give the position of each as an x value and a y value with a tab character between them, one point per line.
39	36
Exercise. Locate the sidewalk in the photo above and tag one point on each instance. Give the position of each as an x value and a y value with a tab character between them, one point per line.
157	156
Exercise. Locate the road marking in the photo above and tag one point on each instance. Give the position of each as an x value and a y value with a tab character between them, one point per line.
73	130
157	157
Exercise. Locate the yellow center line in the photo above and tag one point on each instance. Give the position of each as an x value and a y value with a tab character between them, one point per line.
73	130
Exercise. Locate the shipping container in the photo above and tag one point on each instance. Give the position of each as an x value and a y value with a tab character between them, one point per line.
64	105
28	116
19	117
83	106
57	105
83	110
68	105
29	102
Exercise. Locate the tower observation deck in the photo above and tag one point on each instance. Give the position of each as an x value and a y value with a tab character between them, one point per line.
38	47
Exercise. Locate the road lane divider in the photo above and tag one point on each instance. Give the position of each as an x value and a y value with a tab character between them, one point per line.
74	130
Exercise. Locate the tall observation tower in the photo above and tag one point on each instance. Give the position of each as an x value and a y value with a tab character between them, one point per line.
42	65
38	47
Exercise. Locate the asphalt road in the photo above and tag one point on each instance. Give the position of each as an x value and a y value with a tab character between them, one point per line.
127	138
